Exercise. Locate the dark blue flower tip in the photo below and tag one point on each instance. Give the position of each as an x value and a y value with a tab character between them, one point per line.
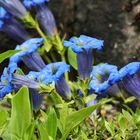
29	3
100	77
26	48
14	29
36	100
46	20
129	69
14	7
4	15
83	43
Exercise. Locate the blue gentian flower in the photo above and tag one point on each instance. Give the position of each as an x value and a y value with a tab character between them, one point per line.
83	47
129	78
44	15
19	80
11	27
10	82
28	54
100	78
31	3
46	20
14	7
54	72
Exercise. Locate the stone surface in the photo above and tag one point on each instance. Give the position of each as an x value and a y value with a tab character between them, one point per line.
116	22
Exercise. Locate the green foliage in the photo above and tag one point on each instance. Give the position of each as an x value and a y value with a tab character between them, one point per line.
3	121
20	115
7	54
72	59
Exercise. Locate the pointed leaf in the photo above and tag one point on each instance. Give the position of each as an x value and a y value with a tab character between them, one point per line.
76	118
21	114
7	54
72	59
51	123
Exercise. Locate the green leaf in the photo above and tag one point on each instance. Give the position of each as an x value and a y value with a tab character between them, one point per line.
43	132
130	99
123	124
21	114
3	121
76	118
51	123
110	127
20	72
72	59
29	132
83	135
127	115
7	54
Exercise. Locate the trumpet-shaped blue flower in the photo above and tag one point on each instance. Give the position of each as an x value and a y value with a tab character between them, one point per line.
126	77
129	78
46	19
83	47
14	7
53	72
30	3
10	82
44	15
11	27
99	77
18	81
28	54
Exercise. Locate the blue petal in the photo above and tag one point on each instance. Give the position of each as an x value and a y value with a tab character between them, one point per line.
130	69
30	3
83	43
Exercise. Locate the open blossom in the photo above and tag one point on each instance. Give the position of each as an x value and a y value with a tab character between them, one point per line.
11	27
14	7
53	72
83	47
100	78
10	82
129	79
28	54
126	77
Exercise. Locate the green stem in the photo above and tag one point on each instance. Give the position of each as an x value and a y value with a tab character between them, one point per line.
64	60
46	59
53	56
46	42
